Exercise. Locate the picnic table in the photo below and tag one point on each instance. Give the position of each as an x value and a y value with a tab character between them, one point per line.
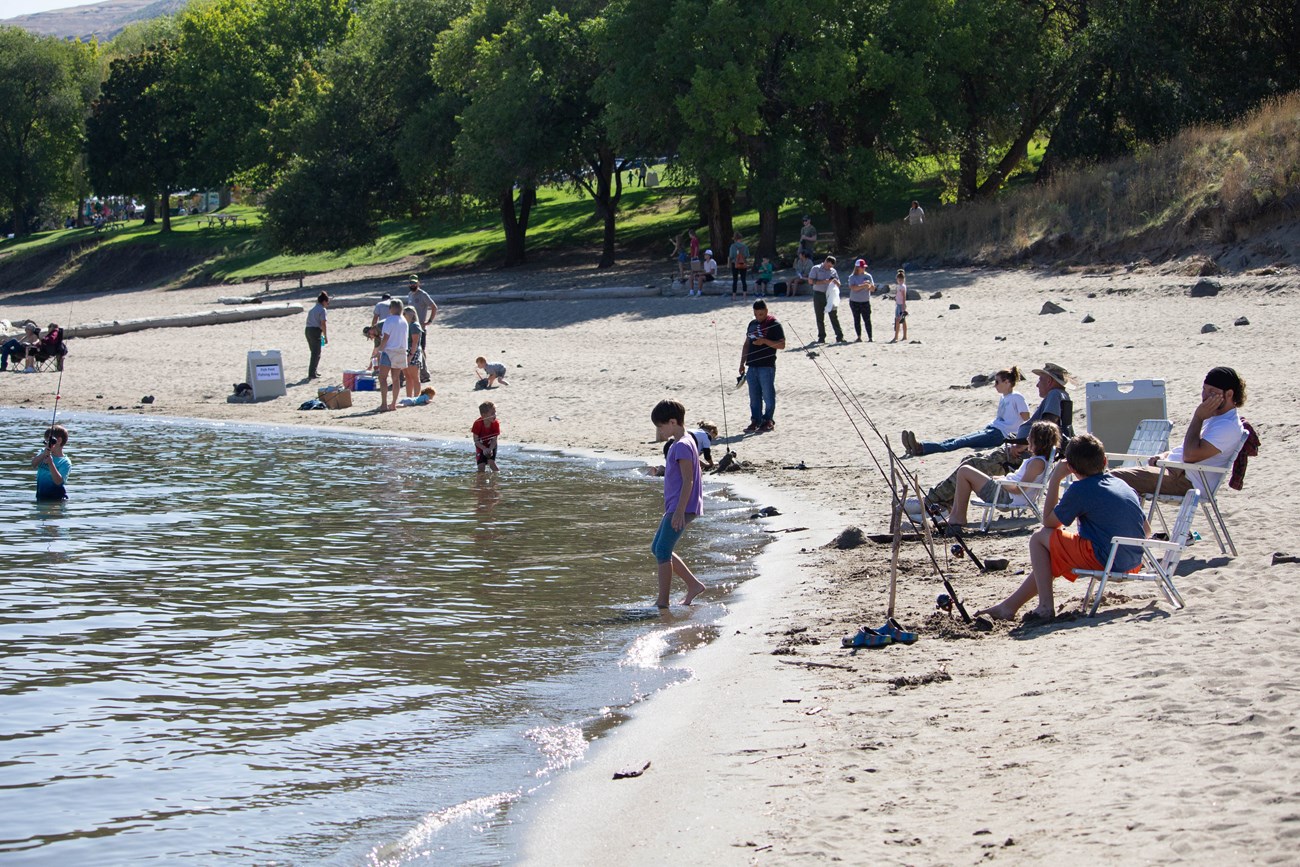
222	219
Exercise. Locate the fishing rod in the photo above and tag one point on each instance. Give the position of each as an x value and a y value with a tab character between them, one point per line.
722	381
840	393
58	388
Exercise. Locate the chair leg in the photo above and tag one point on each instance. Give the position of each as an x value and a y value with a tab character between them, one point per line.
1211	508
1096	600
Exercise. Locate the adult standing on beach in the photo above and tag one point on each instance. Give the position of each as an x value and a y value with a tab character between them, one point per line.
317	332
808	237
916	215
426	310
825	281
860	288
763	338
392	354
738	259
381	310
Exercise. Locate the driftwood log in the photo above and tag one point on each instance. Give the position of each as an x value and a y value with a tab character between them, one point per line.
188	320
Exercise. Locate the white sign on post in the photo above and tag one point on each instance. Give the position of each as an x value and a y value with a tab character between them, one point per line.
266	374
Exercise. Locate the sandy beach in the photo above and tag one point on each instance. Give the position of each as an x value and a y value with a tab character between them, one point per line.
1142	735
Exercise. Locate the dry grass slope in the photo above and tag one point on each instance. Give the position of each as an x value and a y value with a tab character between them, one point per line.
1208	186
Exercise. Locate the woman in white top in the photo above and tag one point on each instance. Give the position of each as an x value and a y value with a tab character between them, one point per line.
1044	436
1012	412
900	305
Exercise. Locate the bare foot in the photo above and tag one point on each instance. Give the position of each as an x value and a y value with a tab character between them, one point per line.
997	612
692	591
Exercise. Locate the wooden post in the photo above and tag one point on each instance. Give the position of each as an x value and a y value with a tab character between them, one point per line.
898	486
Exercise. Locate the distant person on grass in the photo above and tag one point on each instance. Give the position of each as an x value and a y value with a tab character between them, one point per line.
683	499
1105	508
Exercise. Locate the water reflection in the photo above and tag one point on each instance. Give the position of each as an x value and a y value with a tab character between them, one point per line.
298	647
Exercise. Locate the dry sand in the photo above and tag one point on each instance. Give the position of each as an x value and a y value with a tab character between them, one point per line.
1142	735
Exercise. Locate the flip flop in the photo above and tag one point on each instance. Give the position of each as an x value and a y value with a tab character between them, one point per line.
896	633
866	638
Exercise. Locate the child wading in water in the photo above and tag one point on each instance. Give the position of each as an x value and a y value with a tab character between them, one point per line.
683	499
486	429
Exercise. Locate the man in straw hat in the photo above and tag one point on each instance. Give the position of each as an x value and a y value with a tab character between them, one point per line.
1054	407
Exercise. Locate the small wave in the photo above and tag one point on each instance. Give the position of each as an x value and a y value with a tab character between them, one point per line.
414	841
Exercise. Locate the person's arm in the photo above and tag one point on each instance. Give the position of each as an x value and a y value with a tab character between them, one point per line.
41	457
688	484
433	311
324	327
744	353
1196	449
1054	495
54	469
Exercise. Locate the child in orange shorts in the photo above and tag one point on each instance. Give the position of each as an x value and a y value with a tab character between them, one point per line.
1104	508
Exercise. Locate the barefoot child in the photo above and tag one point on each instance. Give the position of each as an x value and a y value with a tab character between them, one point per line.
493	373
900	305
486	430
683	499
1104	506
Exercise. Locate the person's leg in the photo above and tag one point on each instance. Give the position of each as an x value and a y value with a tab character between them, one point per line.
855	306
412	380
819	311
1038	580
662	549
866	317
969	480
767	380
383	387
744	283
988	438
1143	480
735	278
835	323
904	321
755	398
896	323
11	345
424	355
693	586
313	348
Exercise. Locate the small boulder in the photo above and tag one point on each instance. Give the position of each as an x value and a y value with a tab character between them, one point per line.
1088	318
1051	307
1092	294
935	296
852	537
148	398
1209	328
954	307
913	295
1204	289
1241	320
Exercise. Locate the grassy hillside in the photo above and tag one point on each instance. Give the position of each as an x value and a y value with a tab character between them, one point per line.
1210	189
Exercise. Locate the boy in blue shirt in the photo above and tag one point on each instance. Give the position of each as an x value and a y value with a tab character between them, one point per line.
683	498
1103	505
52	467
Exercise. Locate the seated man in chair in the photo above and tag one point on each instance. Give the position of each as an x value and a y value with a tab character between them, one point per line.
1211	438
51	346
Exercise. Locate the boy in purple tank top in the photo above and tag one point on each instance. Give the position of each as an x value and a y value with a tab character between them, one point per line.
683	499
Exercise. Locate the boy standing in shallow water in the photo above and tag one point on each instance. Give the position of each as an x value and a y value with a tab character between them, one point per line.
683	499
486	430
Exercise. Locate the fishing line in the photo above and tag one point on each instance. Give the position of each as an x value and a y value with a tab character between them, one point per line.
58	388
722	381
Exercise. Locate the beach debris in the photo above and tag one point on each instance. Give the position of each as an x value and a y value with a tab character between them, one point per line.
1051	307
728	464
915	680
806	664
791	700
980	379
765	512
1088	318
631	773
999	338
935	296
1204	289
1209	328
1241	320
799	466
1200	266
1092	294
148	398
954	306
850	537
943	602
1283	557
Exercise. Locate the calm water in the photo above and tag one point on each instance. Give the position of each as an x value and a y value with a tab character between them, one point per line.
238	645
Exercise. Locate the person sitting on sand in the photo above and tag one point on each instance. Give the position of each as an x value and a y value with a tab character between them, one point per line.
704	437
1043	438
1012	412
1105	508
1211	438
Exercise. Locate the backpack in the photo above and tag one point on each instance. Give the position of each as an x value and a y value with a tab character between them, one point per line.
740	259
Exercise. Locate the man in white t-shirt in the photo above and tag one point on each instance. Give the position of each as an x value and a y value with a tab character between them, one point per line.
393	346
1211	439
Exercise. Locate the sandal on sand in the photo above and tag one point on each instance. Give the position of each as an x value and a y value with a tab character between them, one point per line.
896	633
866	638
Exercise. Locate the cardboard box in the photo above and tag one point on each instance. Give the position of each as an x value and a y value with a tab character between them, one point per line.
336	398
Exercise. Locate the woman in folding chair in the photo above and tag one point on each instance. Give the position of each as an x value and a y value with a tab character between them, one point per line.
1044	436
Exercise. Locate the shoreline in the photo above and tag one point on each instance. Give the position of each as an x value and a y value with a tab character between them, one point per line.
1142	735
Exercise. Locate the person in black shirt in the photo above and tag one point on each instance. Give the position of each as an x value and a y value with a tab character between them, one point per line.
763	338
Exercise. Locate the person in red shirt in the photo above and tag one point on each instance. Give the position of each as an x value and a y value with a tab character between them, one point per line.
486	430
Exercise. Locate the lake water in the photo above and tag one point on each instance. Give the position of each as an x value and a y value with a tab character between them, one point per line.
253	646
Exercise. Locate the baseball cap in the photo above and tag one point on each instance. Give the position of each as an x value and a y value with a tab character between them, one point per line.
861	263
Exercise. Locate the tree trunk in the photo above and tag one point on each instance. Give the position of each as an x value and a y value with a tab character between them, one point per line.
608	175
847	222
516	223
150	208
166	212
767	231
718	205
223	198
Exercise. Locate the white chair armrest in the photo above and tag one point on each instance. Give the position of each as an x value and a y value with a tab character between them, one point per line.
1125	456
1186	467
1150	544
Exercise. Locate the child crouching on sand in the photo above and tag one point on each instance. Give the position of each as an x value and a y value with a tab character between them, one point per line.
683	499
492	373
486	430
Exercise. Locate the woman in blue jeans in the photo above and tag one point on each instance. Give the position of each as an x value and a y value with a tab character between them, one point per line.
1012	412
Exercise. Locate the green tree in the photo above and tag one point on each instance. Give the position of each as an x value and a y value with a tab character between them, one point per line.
138	138
46	85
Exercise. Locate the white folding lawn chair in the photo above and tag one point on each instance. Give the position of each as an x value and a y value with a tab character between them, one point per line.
1018	509
1206	479
1159	559
1115	409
